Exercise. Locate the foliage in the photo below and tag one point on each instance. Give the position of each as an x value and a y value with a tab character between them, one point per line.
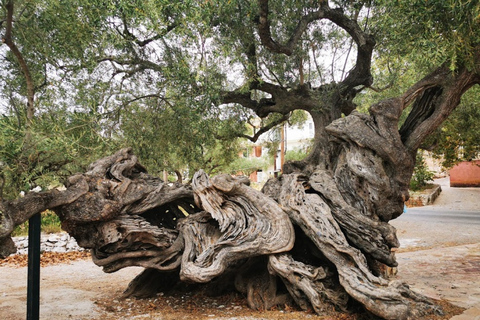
50	223
429	32
151	74
247	166
178	80
91	95
61	144
155	131
295	155
459	138
421	174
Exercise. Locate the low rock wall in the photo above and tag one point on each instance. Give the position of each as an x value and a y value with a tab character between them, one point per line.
55	242
424	198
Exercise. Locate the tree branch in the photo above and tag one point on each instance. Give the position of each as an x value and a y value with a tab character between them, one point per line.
8	40
359	75
45	82
430	80
2	184
436	96
266	36
282	101
140	64
153	95
266	128
127	35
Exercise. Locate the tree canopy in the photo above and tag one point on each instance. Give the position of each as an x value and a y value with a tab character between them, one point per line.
430	34
196	72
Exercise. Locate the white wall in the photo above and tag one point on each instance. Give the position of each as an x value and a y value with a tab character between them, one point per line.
299	137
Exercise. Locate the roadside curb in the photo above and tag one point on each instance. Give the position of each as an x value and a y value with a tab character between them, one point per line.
425	197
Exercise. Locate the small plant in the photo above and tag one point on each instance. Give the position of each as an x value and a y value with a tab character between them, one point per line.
50	224
295	155
421	174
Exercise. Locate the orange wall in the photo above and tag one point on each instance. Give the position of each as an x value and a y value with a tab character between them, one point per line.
253	177
465	174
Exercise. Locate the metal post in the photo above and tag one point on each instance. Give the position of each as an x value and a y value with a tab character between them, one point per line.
33	284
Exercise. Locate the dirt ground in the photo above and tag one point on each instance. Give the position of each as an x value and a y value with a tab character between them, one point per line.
445	266
80	290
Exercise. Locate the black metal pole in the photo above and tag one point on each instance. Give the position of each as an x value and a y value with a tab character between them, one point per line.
33	285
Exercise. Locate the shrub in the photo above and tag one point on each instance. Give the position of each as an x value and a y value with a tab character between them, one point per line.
50	224
421	174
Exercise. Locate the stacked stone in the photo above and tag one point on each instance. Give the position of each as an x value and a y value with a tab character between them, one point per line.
55	242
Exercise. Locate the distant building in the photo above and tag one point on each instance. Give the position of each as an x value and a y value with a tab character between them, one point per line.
299	137
295	138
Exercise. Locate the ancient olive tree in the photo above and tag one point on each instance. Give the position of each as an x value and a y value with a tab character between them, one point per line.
320	232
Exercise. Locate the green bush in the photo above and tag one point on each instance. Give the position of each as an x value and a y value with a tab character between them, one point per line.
421	174
50	223
295	155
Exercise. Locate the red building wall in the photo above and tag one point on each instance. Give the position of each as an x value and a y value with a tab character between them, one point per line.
465	174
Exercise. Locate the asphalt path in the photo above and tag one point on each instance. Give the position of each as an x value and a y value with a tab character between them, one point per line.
440	215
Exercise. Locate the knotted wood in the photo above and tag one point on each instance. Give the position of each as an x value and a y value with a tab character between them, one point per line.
313	215
239	223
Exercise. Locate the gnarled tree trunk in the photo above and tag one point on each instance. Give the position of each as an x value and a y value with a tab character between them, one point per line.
218	227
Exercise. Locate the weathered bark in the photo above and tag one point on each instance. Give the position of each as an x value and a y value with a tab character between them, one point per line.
315	218
128	218
239	223
14	213
310	286
151	281
321	228
254	280
319	233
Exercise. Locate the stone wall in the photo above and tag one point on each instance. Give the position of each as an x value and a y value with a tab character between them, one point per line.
424	197
55	242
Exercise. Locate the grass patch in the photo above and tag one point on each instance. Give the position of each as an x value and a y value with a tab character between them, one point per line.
50	224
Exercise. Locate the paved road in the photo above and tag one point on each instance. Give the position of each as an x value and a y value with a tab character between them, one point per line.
440	215
456	206
440	248
453	219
